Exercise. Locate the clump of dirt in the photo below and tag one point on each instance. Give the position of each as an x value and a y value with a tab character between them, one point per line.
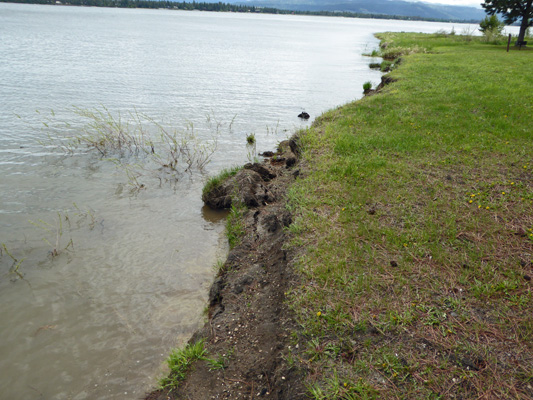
385	80
249	324
246	187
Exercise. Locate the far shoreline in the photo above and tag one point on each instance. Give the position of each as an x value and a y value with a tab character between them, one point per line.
231	8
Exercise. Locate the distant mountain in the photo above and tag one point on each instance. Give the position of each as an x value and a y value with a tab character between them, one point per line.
387	7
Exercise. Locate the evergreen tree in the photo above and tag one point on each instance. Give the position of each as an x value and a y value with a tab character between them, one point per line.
491	25
512	10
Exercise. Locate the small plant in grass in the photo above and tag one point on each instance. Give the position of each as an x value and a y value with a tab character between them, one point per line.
393	53
218	266
374	53
235	224
367	86
220	362
180	361
250	139
386	65
441	33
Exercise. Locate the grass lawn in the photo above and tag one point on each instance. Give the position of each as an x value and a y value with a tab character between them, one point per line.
414	223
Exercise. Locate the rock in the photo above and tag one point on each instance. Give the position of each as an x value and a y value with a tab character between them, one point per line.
286	219
385	80
237	289
266	173
283	147
290	161
246	187
303	115
215	292
294	144
290	150
270	223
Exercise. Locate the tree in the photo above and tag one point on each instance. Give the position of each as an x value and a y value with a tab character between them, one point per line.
491	25
512	10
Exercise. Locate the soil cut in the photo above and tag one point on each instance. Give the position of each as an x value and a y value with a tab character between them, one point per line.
249	323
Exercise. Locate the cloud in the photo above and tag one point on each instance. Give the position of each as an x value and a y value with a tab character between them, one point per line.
468	3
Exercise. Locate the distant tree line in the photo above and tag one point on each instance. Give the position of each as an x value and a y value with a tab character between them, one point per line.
216	7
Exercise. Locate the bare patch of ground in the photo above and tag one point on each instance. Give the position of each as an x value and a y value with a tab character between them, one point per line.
249	325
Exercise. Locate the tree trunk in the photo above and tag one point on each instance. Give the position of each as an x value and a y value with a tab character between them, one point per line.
525	22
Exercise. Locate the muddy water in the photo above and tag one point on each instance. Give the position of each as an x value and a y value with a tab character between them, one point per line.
99	278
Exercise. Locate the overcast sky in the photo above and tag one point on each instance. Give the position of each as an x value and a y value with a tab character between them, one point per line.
470	3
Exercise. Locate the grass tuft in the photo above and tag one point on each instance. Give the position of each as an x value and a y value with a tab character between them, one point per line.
180	361
235	224
216	180
250	139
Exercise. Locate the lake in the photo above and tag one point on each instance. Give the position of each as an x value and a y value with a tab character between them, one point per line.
106	259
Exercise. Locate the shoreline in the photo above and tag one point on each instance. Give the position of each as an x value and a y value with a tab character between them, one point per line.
232	8
405	269
249	324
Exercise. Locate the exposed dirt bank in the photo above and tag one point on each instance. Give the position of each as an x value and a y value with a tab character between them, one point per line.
249	324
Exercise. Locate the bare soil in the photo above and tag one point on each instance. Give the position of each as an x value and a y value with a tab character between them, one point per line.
249	323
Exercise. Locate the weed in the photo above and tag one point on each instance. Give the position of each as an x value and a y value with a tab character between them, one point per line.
235	224
16	262
136	136
180	361
273	130
220	362
367	86
217	267
57	231
250	139
386	65
374	53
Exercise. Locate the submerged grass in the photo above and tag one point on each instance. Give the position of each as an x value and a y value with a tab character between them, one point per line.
414	220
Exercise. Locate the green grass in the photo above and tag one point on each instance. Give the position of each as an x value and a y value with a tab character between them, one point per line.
216	180
413	222
180	361
235	224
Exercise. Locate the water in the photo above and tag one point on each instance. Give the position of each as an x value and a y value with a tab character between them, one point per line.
130	280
